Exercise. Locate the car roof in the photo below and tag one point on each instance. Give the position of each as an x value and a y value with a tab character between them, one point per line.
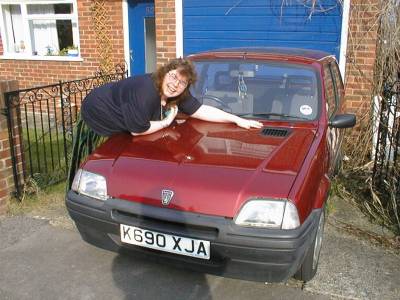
307	54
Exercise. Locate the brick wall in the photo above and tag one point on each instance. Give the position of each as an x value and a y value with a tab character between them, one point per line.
6	171
165	30
31	73
361	53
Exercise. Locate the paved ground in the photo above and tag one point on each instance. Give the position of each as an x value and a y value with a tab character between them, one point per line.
43	257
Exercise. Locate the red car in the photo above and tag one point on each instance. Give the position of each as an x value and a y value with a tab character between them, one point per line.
217	198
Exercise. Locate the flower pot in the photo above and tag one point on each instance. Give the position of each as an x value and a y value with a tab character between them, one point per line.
73	52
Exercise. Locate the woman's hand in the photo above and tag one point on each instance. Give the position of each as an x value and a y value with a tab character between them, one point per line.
213	114
247	124
159	125
172	112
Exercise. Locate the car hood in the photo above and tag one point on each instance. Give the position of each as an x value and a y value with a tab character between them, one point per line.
211	168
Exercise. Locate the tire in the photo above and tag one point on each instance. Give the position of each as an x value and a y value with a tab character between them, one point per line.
309	267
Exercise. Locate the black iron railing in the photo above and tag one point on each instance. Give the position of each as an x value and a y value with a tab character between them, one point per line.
387	161
386	171
40	123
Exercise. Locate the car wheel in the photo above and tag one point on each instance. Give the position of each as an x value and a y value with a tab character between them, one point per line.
309	267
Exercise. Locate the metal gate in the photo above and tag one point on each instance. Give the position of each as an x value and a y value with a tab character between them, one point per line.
40	125
386	171
386	160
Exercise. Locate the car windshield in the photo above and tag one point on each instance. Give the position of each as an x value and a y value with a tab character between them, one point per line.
258	89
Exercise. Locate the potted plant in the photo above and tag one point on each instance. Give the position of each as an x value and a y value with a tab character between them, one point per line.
73	51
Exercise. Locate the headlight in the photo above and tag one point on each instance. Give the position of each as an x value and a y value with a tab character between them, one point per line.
268	214
90	184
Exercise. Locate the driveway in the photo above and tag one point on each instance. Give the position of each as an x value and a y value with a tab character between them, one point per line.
43	257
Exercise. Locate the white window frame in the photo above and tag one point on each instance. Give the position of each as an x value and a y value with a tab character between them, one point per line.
25	19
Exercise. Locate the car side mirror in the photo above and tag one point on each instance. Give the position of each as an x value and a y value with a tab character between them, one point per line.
343	121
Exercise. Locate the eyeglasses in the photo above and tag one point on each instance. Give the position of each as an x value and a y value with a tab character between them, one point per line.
181	83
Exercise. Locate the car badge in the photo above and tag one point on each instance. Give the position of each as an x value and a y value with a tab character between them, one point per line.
166	196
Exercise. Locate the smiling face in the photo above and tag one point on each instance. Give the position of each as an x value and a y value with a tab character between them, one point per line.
173	84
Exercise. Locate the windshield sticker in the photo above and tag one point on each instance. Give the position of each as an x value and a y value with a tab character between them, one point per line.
306	110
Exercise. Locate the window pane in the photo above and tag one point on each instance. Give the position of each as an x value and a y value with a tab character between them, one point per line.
44	37
258	87
35	9
14	32
329	91
63	8
42	9
50	37
338	82
64	30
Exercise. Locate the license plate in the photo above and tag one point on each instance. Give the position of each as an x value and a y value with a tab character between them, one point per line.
165	242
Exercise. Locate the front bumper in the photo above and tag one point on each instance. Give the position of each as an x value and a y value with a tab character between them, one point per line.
247	253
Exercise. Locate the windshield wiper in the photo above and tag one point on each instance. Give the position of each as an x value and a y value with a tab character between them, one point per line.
274	115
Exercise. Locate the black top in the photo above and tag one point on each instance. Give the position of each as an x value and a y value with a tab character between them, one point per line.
127	106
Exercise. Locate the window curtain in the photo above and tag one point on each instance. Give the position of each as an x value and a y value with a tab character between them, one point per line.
15	32
44	35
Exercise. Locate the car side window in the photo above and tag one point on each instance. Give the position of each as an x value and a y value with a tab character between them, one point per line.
338	83
329	91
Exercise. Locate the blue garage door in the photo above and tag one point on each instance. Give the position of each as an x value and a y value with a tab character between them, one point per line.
212	24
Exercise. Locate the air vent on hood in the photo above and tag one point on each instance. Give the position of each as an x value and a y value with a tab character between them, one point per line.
278	132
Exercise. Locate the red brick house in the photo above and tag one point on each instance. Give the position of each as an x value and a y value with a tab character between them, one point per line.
45	41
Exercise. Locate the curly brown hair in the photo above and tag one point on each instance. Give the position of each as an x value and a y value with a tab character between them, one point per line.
184	67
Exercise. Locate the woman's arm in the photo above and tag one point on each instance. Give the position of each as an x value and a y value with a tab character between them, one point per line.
158	125
213	114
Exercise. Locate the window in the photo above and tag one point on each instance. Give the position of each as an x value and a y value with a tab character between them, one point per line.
329	92
247	87
339	90
45	28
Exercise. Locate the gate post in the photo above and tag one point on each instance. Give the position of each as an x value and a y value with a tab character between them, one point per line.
6	169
